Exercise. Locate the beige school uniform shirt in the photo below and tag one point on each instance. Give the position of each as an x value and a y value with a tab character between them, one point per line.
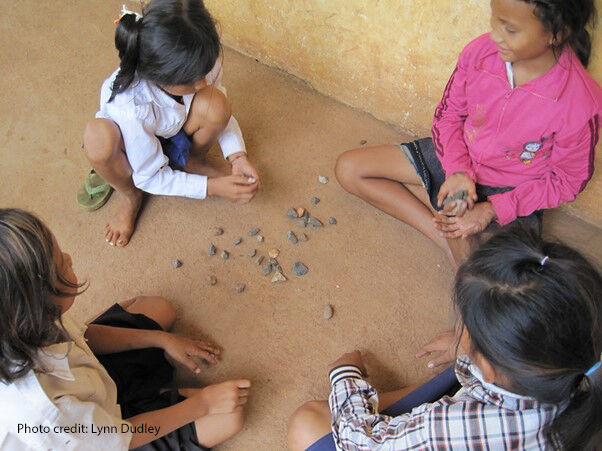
64	402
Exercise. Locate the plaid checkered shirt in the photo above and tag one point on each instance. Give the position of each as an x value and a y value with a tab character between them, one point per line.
480	416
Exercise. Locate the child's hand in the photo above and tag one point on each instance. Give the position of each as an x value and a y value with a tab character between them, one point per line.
351	358
225	397
234	187
458	182
445	344
182	349
242	166
473	221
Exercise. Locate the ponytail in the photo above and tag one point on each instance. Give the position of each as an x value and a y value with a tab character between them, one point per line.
127	42
580	425
581	42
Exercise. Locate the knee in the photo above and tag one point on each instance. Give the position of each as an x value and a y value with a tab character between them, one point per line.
101	139
302	425
345	170
157	308
212	106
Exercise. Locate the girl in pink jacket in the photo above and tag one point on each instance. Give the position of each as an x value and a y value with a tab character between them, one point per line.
514	133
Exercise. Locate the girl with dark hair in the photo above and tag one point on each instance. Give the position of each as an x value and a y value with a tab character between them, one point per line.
66	385
160	113
529	343
514	133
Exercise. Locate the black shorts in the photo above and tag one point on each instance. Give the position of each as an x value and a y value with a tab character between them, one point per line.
421	153
139	376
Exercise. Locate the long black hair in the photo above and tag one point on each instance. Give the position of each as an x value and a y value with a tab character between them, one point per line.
29	278
174	43
533	309
568	21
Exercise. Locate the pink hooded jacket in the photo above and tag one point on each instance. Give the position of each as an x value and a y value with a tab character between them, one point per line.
539	137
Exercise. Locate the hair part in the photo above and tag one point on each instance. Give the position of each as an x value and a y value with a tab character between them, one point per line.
539	325
568	21
174	43
29	279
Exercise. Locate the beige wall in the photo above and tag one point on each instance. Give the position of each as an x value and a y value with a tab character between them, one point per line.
391	58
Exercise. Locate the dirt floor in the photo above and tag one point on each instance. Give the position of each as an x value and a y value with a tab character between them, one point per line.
389	285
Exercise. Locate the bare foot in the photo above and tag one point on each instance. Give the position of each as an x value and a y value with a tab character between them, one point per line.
197	164
119	229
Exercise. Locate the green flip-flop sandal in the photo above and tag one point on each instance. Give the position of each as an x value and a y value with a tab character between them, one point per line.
95	192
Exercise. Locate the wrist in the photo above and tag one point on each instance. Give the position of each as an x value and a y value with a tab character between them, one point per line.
236	156
159	339
488	206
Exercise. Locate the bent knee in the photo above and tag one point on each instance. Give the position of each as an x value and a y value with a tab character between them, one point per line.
307	423
213	106
346	169
101	139
157	308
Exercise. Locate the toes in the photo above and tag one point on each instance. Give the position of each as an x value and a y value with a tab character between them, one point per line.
115	238
122	241
109	236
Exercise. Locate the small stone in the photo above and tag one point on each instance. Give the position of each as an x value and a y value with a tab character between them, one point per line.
291	213
212	250
252	253
278	277
266	270
272	262
292	237
314	222
254	231
274	252
259	260
300	269
237	241
225	255
328	311
175	264
217	231
332	220
240	287
458	197
363	142
314	200
323	179
301	222
303	237
260	238
212	280
301	212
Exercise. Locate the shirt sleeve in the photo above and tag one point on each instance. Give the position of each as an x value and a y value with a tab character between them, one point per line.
570	167
150	169
448	125
230	140
356	423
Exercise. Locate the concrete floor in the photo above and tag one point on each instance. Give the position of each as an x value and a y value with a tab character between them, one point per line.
389	285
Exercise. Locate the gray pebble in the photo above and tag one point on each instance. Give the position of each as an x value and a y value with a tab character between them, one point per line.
252	253
323	179
217	231
332	220
266	270
300	269
314	222
291	213
272	262
254	231
237	241
314	201
225	255
212	250
328	311
175	264
259	238
259	260
240	287
303	237
292	237
301	222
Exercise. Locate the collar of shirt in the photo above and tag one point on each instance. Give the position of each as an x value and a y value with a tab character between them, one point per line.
53	360
550	85
472	380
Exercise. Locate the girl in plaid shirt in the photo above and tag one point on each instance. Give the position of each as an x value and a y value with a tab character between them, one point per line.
529	342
